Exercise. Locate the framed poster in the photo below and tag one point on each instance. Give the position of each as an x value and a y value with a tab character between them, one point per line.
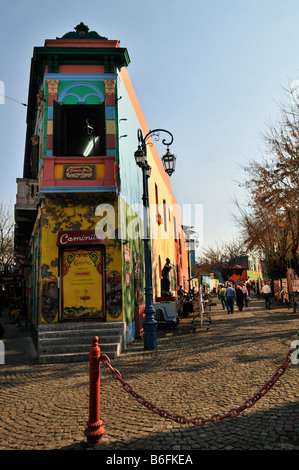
127	254
295	285
82	284
128	278
284	286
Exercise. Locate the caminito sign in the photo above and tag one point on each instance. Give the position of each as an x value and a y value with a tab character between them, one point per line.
83	237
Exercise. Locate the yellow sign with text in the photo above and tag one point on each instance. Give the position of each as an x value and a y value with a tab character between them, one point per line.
82	284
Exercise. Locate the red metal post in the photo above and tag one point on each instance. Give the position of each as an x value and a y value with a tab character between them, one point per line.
94	431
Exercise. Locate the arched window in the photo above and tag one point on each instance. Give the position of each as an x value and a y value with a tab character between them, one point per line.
77	104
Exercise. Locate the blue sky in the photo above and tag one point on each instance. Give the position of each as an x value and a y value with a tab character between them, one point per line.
210	71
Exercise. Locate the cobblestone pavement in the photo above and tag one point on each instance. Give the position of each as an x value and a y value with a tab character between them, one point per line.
201	373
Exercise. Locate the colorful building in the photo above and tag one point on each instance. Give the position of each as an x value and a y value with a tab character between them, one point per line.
78	211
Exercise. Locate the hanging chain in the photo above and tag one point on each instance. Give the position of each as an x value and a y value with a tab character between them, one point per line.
198	421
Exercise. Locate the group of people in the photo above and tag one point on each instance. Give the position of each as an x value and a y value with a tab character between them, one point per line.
241	294
228	295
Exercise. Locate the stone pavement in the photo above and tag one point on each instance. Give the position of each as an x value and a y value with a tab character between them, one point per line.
201	373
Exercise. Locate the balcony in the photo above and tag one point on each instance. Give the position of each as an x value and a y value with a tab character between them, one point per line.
27	194
78	174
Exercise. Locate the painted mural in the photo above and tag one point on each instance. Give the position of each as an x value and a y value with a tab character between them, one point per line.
114	294
82	284
69	223
138	279
49	298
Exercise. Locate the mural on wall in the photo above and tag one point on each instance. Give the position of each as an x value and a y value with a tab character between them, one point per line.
138	279
49	298
114	294
73	219
82	284
70	213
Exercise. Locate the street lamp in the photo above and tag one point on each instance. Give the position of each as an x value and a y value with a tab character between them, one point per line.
150	324
169	161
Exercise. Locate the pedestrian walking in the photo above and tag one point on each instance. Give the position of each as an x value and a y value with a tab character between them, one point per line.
230	295
295	301
266	290
245	295
222	296
239	298
219	287
248	288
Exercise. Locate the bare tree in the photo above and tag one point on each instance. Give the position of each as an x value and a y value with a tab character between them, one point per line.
6	238
223	257
271	219
266	232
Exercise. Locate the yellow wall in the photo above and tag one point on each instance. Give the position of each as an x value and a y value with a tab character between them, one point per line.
161	247
71	213
163	241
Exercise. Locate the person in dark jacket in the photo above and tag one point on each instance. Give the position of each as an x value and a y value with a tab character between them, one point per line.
240	298
230	295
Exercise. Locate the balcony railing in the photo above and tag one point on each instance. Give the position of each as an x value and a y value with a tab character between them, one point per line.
78	173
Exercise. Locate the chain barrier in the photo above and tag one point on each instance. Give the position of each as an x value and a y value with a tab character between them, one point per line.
198	421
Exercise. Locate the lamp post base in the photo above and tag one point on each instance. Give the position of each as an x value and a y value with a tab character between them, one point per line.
150	334
94	433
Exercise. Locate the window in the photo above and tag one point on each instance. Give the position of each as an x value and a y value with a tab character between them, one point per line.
165	214
69	133
158	215
174	228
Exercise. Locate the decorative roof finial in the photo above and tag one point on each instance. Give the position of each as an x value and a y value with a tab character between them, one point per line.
81	29
82	32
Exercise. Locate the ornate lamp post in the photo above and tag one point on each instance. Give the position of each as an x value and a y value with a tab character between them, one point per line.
150	324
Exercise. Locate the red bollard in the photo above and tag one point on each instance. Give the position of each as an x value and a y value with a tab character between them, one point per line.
94	431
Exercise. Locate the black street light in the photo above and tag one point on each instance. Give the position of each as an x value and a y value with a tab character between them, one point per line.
150	324
169	161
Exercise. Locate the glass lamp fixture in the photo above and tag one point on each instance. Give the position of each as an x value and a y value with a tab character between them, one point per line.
148	170
169	161
139	156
